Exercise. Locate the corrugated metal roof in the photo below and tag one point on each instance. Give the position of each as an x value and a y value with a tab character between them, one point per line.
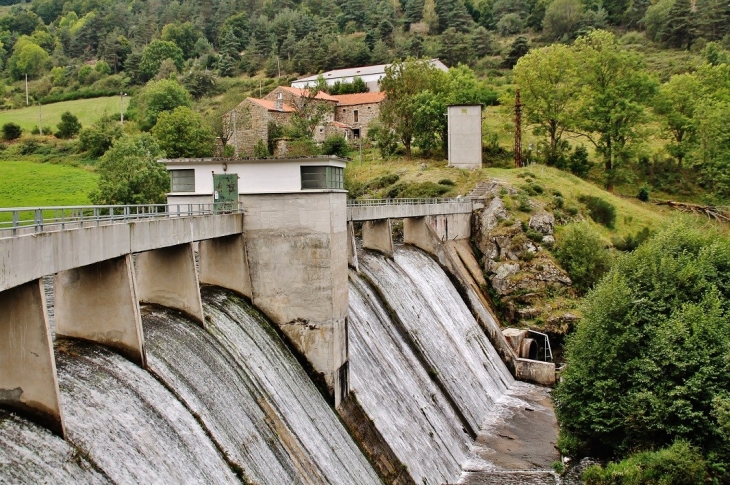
360	71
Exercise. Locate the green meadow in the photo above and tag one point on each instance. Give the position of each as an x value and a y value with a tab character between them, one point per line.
86	110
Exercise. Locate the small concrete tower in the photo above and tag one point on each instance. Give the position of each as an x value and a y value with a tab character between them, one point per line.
465	136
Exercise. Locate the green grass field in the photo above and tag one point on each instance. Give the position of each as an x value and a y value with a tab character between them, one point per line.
30	184
86	110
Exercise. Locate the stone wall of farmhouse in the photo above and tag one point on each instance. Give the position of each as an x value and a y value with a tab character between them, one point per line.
365	114
252	125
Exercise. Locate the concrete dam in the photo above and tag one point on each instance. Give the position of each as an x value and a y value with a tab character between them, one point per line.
413	388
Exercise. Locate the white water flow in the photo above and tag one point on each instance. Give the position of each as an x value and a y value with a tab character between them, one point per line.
129	425
252	395
408	407
30	454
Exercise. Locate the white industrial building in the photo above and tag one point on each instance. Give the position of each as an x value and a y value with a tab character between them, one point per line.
371	75
198	180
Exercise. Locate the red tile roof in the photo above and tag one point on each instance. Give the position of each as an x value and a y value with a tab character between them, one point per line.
271	105
359	98
304	93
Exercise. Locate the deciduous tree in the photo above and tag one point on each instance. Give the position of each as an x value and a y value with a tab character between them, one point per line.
129	173
182	133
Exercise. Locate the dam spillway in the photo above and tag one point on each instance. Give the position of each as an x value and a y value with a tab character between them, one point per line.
235	405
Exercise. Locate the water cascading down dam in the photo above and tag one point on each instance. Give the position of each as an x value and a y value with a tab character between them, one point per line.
249	394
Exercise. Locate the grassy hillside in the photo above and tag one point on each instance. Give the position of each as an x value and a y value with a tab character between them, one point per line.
86	110
28	184
632	215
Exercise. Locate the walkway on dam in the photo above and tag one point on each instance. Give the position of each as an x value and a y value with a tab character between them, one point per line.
378	209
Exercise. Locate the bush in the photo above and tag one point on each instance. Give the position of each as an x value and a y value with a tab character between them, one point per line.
601	211
629	243
578	163
448	182
336	145
647	365
69	126
643	194
416	191
582	254
47	130
679	464
100	136
12	131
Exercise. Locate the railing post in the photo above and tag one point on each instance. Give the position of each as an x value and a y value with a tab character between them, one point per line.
38	220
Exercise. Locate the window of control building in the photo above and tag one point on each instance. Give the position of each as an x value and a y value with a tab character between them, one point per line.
183	180
322	178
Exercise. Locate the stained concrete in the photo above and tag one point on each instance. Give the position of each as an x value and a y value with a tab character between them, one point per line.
28	379
168	277
99	303
29	257
223	262
378	236
297	254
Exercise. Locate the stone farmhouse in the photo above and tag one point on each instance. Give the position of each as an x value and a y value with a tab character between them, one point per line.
346	114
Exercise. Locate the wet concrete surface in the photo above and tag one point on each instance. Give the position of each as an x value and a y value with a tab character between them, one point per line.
516	444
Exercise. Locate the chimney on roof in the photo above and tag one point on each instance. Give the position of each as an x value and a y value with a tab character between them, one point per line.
279	103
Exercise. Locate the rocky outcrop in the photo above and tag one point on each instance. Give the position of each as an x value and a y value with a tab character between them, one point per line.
523	275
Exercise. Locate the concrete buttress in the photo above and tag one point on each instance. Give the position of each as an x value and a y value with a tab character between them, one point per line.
167	276
352	248
378	236
99	303
223	262
28	379
296	245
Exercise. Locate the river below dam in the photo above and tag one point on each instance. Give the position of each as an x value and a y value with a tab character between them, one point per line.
231	404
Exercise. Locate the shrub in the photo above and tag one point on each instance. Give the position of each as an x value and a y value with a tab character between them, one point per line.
448	182
524	204
647	365
677	465
601	211
578	162
98	138
417	190
336	145
582	254
47	130
534	235
12	131
260	150
69	126
643	194
629	243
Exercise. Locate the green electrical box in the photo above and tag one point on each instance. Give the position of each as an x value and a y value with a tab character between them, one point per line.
225	195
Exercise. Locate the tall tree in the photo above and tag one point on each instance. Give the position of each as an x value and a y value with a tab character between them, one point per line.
183	133
681	29
547	81
675	104
129	173
403	81
615	90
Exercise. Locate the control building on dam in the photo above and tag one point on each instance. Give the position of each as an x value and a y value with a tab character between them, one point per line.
277	231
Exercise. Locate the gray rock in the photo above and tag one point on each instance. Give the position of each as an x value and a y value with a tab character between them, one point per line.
493	214
543	222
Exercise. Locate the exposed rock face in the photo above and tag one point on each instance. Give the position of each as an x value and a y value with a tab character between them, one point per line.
522	274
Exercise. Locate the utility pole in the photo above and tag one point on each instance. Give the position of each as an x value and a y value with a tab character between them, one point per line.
40	119
27	103
518	130
235	135
278	66
121	107
360	147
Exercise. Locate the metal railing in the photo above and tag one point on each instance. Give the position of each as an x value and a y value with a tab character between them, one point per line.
376	202
548	351
24	220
